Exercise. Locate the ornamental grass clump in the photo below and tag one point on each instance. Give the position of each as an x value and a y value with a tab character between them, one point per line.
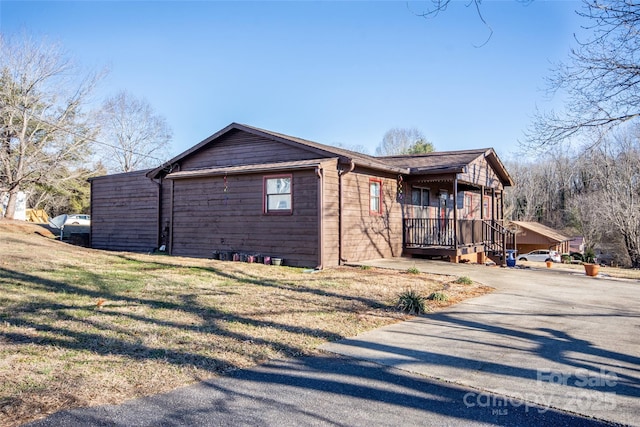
438	296
464	280
411	302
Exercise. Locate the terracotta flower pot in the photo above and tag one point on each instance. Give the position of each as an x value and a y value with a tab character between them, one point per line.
591	269
549	264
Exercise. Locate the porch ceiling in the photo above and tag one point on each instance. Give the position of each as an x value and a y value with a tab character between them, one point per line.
447	179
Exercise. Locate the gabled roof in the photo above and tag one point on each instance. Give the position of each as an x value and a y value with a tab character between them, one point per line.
419	164
121	174
449	162
543	230
436	161
246	169
345	156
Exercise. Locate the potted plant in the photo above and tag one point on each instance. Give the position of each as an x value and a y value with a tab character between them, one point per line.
590	267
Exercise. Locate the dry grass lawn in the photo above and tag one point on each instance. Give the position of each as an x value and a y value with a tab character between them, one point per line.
82	327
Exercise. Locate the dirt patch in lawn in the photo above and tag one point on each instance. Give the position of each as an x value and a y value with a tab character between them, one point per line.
81	327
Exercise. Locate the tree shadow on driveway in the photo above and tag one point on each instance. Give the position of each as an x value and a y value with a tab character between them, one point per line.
319	391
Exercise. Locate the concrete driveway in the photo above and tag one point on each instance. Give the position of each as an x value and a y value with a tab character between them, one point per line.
554	338
544	343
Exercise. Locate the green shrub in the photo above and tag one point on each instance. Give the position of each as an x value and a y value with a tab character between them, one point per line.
411	302
464	280
438	296
365	267
413	270
577	256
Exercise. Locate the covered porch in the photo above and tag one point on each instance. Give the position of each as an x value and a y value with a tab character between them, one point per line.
455	209
467	240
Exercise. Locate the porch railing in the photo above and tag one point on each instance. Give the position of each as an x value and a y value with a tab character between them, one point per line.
429	232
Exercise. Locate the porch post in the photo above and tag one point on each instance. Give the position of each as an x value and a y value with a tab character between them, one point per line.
455	217
493	204
482	202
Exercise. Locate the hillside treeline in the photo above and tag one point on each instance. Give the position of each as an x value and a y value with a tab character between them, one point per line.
592	192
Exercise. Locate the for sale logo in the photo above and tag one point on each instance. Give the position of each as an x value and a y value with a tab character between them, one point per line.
581	390
580	378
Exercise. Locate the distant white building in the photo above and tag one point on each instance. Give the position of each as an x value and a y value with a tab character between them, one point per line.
21	206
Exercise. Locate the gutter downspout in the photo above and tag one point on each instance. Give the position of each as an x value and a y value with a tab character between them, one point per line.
170	246
170	235
159	213
341	172
319	172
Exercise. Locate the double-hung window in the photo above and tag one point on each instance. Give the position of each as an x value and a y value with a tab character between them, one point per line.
420	197
468	208
277	194
375	196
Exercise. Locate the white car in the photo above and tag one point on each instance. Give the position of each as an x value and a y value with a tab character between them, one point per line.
73	219
541	255
78	219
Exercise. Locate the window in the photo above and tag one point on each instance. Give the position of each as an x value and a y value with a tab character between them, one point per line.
486	205
375	205
277	194
468	208
420	197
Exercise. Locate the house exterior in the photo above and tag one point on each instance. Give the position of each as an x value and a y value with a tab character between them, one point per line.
254	191
533	235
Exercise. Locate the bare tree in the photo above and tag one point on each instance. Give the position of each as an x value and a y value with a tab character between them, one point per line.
525	201
586	217
403	141
44	131
617	175
68	193
543	189
601	77
135	136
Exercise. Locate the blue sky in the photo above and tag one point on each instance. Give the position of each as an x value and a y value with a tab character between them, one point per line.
332	72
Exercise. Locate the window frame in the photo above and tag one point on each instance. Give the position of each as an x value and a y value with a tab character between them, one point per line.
377	181
422	191
486	207
265	195
468	205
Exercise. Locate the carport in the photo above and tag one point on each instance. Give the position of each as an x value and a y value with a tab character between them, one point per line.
533	235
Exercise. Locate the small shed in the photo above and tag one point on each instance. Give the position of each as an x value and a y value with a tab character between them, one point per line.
533	235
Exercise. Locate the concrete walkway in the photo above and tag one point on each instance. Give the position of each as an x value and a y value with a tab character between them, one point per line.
553	338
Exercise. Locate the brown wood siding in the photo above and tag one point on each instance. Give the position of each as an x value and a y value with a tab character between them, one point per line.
330	226
480	173
242	148
207	218
476	205
124	212
366	235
